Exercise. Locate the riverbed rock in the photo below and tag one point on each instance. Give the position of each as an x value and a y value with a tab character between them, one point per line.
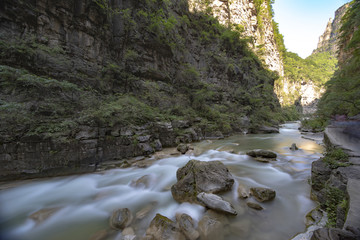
263	194
183	148
243	191
187	226
142	213
121	218
128	234
294	147
254	205
162	228
143	182
196	177
333	234
320	173
43	214
216	203
261	153
211	227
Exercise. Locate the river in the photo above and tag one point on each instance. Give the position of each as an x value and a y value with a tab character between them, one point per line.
80	205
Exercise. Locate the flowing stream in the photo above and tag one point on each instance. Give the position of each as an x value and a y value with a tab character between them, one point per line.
78	207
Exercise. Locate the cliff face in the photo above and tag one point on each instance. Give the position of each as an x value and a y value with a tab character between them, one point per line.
85	81
256	24
328	40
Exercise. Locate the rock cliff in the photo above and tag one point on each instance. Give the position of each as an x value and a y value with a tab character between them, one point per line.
328	40
255	22
88	81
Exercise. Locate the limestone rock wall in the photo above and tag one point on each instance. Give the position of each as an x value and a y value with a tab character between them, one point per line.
328	40
244	13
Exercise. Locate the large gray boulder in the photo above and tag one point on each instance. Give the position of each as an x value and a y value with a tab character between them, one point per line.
216	203
162	228
121	218
263	194
196	177
260	153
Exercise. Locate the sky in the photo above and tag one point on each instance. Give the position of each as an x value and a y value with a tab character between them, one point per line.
303	21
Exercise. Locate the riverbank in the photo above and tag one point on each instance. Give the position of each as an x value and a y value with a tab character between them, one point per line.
335	183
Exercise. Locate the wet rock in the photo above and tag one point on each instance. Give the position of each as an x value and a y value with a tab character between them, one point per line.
333	234
196	177
121	218
216	203
145	211
263	194
211	228
243	191
128	234
187	226
320	173
43	214
125	164
267	129
162	228
313	217
254	205
294	147
264	160
183	148
262	153
143	182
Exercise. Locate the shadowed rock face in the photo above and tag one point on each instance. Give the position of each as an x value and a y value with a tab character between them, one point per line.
196	177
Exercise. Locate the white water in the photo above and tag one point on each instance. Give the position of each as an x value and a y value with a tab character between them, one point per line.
84	203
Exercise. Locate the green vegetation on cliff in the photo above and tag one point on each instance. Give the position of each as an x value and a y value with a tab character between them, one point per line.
342	94
163	63
316	69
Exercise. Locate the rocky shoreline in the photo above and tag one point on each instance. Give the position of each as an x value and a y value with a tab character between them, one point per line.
335	180
93	147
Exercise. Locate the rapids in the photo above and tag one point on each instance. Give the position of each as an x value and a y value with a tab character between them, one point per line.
80	205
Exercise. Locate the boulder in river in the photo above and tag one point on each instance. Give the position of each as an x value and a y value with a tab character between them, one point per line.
43	214
254	205
261	153
243	191
162	228
263	194
183	148
143	182
196	177
216	203
211	227
187	226
121	218
294	147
